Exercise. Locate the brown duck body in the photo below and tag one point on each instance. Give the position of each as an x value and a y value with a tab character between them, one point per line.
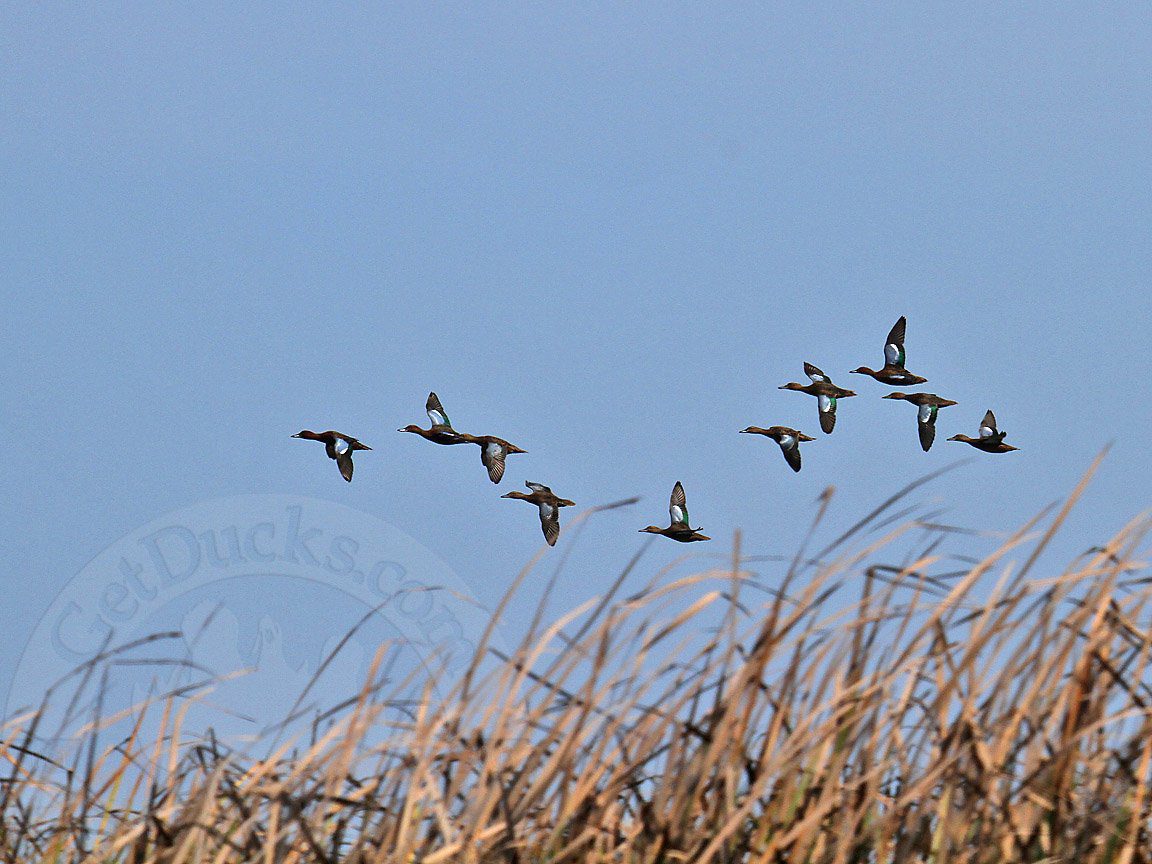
679	533
897	376
437	434
788	438
985	444
332	441
549	505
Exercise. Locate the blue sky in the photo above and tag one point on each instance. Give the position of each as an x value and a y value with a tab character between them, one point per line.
607	235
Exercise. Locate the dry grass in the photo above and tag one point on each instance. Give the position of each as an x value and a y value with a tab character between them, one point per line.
994	713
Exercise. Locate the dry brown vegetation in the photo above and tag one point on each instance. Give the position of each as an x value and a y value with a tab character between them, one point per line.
859	711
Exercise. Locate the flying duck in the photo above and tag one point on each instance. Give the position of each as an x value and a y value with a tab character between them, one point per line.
338	446
991	439
679	528
825	391
893	371
549	505
441	431
929	405
788	439
493	452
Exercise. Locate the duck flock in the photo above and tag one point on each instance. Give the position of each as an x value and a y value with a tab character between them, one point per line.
494	451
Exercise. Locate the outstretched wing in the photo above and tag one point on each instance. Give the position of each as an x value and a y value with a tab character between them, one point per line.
988	425
550	523
815	373
344	463
926	425
537	487
927	435
894	345
436	412
827	413
492	455
678	505
791	449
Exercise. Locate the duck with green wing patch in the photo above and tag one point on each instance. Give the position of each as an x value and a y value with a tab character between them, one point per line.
679	528
893	371
928	405
826	393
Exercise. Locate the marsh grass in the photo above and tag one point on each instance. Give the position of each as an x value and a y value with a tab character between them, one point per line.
837	708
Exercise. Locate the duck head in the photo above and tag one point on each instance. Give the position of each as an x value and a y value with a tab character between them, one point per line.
651	529
864	370
411	427
792	385
307	434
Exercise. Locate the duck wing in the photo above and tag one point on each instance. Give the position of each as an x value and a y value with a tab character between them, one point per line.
436	412
550	522
894	344
827	413
816	374
492	454
678	506
790	447
926	425
344	463
988	425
